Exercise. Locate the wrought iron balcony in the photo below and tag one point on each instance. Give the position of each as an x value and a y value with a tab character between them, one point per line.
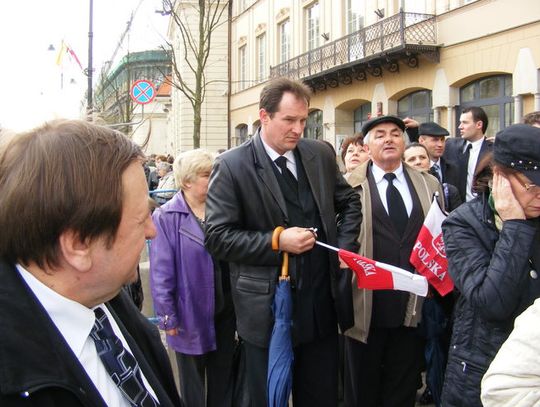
403	36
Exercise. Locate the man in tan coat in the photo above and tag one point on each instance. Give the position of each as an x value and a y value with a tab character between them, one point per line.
383	352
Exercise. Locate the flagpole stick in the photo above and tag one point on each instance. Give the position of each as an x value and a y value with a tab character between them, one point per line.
327	246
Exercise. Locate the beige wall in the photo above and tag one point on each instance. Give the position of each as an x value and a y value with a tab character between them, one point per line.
474	42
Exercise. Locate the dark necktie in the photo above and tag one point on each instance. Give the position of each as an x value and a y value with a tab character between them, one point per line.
396	206
434	170
119	363
281	162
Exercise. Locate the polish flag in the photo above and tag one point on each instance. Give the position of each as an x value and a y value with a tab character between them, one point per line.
428	255
375	275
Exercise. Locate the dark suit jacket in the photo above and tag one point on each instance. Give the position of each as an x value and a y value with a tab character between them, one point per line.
243	207
450	171
453	152
37	367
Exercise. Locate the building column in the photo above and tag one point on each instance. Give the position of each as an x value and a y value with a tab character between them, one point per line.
518	108
537	102
436	114
451	120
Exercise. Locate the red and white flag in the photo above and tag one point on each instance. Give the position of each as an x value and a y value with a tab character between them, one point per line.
429	255
375	275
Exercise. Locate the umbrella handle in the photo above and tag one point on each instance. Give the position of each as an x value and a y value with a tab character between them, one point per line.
275	246
275	237
285	267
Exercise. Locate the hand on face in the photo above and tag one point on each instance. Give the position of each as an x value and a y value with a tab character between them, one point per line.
506	203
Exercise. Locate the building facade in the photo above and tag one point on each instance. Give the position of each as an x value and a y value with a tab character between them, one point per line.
214	112
425	59
112	100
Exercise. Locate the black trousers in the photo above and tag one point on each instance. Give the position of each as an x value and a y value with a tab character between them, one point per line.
315	373
207	380
385	371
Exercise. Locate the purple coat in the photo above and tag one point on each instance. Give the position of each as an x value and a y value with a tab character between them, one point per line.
182	279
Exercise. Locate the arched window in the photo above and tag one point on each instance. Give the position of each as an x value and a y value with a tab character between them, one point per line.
241	133
494	95
314	125
361	115
255	126
416	105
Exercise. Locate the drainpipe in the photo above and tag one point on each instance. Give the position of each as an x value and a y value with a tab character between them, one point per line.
229	48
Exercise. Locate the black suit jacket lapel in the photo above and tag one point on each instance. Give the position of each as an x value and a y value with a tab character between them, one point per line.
266	173
312	167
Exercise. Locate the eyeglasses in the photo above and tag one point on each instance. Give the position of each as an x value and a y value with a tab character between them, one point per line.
533	188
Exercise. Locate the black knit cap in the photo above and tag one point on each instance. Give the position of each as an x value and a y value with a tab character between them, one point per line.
518	147
432	129
382	119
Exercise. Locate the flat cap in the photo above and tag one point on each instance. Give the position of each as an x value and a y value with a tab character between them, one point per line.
382	119
518	147
432	129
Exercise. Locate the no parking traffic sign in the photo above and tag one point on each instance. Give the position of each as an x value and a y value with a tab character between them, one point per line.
143	92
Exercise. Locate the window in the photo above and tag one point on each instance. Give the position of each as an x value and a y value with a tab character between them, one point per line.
355	15
494	95
241	133
242	67
312	20
284	41
416	105
314	125
361	115
261	58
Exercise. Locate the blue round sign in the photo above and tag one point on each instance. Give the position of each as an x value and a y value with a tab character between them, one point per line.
143	92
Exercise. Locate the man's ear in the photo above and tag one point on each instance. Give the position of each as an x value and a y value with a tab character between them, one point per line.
263	116
75	252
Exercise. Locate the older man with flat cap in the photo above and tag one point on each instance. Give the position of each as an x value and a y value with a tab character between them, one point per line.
383	351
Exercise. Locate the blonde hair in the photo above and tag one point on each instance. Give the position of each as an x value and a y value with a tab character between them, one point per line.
191	163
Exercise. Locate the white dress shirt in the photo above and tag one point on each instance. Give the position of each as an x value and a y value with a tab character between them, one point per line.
75	321
289	155
400	182
471	167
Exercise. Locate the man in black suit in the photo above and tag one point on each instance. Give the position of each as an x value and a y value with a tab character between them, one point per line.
72	235
383	351
469	149
433	137
278	178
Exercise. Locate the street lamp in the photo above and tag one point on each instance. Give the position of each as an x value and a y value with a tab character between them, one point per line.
90	69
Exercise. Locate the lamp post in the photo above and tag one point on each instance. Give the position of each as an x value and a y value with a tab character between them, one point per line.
90	69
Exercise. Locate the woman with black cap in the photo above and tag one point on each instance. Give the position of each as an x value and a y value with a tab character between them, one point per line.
493	250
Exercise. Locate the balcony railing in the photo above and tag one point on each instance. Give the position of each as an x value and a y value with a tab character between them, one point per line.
393	34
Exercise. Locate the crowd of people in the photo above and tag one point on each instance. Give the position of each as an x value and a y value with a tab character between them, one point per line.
73	231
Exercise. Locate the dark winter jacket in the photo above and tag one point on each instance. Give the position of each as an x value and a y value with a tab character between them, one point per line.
494	274
37	367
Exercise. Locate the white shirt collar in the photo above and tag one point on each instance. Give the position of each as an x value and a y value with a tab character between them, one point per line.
72	319
378	173
475	144
438	162
289	155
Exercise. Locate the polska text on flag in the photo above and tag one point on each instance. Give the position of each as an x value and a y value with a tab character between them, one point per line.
428	255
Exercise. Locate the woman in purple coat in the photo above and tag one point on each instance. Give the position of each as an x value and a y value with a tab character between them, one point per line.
191	296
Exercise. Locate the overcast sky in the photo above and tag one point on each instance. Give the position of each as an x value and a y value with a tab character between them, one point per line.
31	89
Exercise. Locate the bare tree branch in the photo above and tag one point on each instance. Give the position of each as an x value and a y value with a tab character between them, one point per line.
196	47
